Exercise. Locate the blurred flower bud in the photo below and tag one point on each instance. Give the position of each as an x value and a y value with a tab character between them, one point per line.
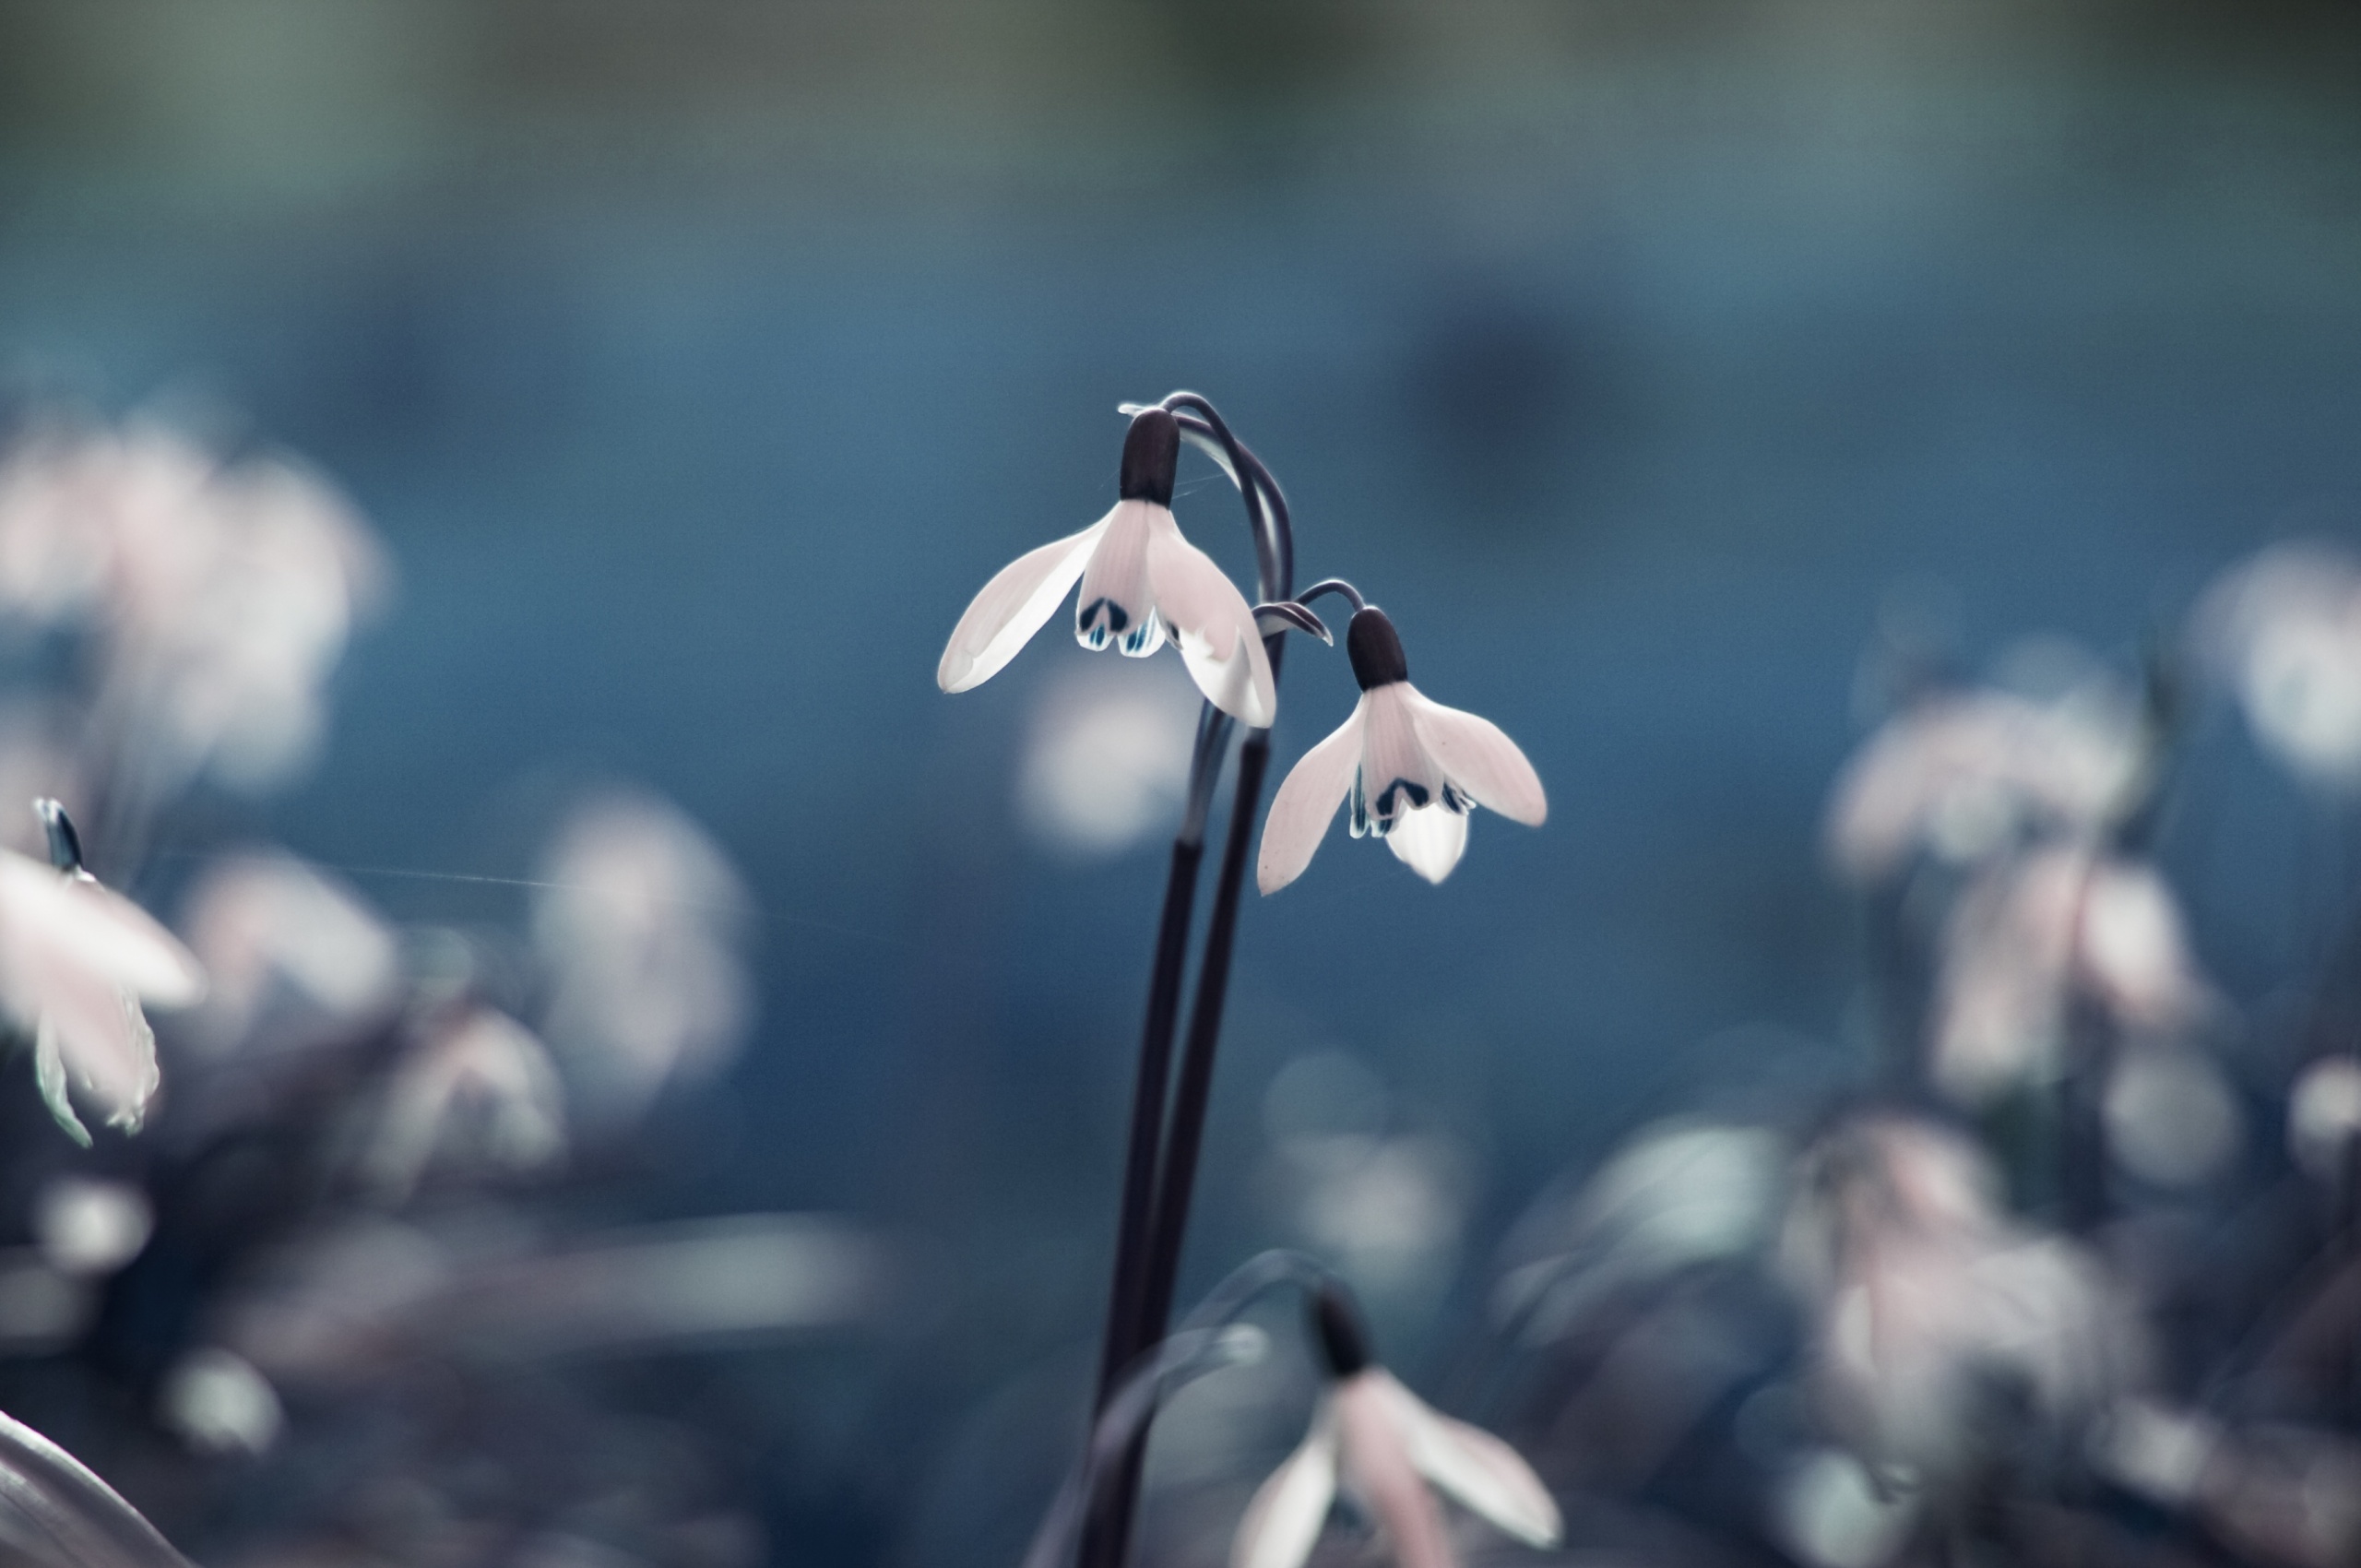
2283	632
2323	1115
87	1228
479	1089
268	927
1966	775
641	922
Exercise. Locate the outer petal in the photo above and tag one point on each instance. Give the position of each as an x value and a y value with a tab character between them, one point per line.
1479	1471
1021	596
1482	761
57	922
1429	840
1306	804
1117	599
1212	624
1377	1464
1285	1518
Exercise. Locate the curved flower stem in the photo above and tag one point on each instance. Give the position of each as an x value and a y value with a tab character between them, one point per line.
1337	585
1209	1340
1108	1537
1122	1423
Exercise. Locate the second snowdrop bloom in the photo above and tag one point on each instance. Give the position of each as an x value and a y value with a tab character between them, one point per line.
1413	768
76	962
1385	1445
1142	583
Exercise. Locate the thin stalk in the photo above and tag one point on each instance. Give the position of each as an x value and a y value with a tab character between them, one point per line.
1125	1295
1176	1183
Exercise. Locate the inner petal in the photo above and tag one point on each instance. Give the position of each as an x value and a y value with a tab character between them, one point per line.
1397	774
1115	605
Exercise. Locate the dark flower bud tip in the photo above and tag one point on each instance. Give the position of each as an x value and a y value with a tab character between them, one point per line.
65	844
1151	456
1375	649
1344	1343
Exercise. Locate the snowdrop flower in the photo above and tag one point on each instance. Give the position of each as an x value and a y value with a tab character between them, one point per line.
76	962
1142	583
1928	1303
1966	775
481	1088
271	929
2037	930
641	920
1384	1442
1413	768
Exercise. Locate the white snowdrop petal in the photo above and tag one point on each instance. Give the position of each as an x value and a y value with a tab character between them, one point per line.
1429	840
77	923
1284	1520
1213	625
1480	1472
1482	761
125	943
1117	604
1306	804
1018	600
1377	1464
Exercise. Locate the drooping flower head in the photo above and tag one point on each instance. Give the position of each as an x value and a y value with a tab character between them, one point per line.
1386	1444
76	960
1143	583
1933	1312
1413	768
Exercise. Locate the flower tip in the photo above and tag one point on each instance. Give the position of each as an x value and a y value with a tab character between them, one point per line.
65	844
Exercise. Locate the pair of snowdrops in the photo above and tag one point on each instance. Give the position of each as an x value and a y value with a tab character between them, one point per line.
1412	767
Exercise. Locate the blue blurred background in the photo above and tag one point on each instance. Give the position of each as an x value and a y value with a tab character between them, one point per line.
698	361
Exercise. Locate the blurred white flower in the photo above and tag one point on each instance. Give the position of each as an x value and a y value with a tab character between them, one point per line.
1679	1194
478	1088
76	960
1384	1444
222	596
2324	1116
230	650
1413	768
641	920
87	1229
265	921
1927	1303
2033	932
1968	773
1107	762
1142	582
2284	631
217	1403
